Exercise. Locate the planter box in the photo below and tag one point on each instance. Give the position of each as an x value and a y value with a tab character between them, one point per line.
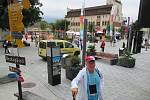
91	53
71	72
114	61
126	62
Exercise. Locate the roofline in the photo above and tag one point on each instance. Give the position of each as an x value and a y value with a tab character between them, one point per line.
90	8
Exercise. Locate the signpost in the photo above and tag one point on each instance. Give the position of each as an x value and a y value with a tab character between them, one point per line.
15	17
17	35
18	61
16	26
14	69
15	59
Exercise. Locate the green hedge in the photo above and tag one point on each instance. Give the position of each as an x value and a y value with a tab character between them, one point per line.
126	62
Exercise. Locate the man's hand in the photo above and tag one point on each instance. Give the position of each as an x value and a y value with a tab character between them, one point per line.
74	92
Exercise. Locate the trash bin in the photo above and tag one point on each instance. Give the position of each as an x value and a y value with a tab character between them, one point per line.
121	50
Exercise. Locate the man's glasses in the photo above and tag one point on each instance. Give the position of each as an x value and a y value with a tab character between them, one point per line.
91	62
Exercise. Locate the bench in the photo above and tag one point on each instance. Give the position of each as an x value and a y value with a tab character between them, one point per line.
113	58
27	95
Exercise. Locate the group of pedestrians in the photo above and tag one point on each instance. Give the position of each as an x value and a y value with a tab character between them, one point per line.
33	37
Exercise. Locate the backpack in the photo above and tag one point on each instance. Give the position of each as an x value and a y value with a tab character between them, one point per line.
99	74
4	44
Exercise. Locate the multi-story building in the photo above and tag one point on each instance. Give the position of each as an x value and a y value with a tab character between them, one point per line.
99	16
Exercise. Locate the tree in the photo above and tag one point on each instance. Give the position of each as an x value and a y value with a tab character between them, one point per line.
3	14
52	27
31	16
108	28
62	25
135	26
91	27
44	25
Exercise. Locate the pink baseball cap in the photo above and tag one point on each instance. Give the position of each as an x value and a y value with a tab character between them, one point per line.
89	58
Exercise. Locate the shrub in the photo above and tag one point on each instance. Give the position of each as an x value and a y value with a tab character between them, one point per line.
75	60
91	47
73	68
126	60
91	50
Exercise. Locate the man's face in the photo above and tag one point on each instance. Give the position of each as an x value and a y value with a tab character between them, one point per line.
90	65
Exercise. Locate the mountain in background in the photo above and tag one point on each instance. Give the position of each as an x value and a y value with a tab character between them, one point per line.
51	19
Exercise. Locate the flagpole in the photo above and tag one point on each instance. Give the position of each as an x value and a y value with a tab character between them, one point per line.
82	32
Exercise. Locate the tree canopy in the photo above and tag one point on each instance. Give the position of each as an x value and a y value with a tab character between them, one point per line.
60	25
44	25
135	26
91	27
31	16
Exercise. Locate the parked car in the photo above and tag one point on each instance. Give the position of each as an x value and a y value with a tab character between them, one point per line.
65	47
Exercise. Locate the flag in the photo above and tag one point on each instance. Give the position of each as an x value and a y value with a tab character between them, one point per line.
111	25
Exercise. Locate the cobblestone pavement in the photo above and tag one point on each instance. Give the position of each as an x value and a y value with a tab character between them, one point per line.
119	83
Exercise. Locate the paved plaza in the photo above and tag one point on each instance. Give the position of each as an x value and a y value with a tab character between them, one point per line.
119	83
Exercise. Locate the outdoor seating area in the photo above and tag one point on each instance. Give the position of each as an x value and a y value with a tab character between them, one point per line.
113	58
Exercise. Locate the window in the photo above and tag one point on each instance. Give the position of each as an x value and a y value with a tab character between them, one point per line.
42	45
98	23
98	17
103	23
78	23
60	44
68	45
93	23
49	44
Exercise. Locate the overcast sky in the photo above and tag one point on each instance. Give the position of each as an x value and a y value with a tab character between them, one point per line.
55	9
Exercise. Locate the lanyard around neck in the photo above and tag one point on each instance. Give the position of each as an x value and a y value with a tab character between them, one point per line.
88	77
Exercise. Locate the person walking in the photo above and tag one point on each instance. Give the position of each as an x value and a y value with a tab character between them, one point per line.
36	41
26	36
111	41
103	46
5	45
32	37
146	44
90	81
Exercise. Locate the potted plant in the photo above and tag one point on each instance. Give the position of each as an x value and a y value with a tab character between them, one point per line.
91	50
73	68
126	60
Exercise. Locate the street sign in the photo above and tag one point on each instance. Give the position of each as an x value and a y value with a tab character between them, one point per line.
15	59
15	17
14	69
19	43
26	4
17	35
